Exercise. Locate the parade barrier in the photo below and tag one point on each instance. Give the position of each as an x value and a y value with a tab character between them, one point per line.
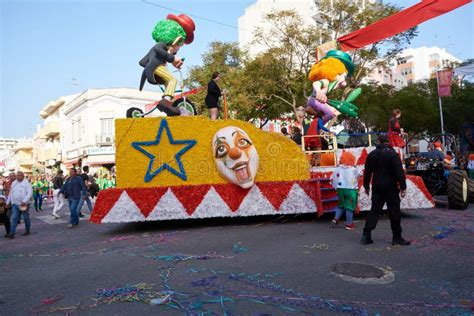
191	167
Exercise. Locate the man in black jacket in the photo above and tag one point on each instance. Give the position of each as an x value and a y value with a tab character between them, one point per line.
384	167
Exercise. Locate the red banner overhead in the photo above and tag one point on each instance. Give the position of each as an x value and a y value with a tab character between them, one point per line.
399	22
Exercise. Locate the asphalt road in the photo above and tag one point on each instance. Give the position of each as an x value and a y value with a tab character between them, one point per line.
258	266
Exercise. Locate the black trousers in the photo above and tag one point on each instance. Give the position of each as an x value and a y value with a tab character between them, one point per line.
379	199
6	221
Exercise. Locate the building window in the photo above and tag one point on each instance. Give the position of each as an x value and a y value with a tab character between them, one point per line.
406	71
402	61
107	126
434	57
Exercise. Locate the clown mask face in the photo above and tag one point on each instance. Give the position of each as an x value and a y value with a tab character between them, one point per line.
300	113
235	156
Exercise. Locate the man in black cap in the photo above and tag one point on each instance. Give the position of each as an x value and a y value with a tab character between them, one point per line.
384	168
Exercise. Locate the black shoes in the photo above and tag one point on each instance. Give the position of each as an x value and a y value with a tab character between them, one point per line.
81	215
366	239
400	241
167	107
10	236
26	233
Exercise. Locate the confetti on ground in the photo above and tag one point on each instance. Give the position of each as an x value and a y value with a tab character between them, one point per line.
237	248
318	246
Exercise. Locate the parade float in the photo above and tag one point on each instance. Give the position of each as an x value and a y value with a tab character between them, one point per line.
189	167
192	167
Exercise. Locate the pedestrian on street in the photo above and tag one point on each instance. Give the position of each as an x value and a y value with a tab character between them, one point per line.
38	186
3	214
45	187
88	181
20	199
109	182
384	169
8	184
58	197
74	190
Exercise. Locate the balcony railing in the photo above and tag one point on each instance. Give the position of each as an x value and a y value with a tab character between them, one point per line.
48	154
26	162
50	129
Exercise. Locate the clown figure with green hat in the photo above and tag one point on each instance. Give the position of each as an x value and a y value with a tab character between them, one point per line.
170	35
327	74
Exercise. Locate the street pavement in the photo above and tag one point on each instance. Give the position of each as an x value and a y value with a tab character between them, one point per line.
255	266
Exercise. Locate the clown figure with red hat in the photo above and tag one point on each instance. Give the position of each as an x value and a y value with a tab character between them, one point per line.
170	35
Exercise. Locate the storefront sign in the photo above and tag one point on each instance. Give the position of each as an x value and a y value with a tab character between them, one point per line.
106	150
72	154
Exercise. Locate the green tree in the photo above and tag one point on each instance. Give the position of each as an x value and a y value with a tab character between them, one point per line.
290	52
226	58
343	17
419	111
458	108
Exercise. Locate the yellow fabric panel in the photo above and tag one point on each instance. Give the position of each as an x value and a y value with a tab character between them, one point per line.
280	158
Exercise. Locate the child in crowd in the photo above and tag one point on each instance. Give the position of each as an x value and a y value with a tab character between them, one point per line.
344	179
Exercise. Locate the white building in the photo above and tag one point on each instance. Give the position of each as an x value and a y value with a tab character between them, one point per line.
385	75
88	135
253	18
21	158
47	150
416	64
14	152
7	143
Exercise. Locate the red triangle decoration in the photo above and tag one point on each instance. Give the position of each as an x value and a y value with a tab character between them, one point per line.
276	193
191	198
104	203
146	198
362	157
313	190
232	195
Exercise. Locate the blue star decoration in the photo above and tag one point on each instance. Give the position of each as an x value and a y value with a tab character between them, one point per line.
141	146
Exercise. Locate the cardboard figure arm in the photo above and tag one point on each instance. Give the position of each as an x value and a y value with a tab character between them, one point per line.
318	87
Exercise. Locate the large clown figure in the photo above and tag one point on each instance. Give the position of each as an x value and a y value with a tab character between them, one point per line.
170	35
236	156
330	73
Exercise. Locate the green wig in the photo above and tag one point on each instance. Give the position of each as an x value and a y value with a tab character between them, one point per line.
167	31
